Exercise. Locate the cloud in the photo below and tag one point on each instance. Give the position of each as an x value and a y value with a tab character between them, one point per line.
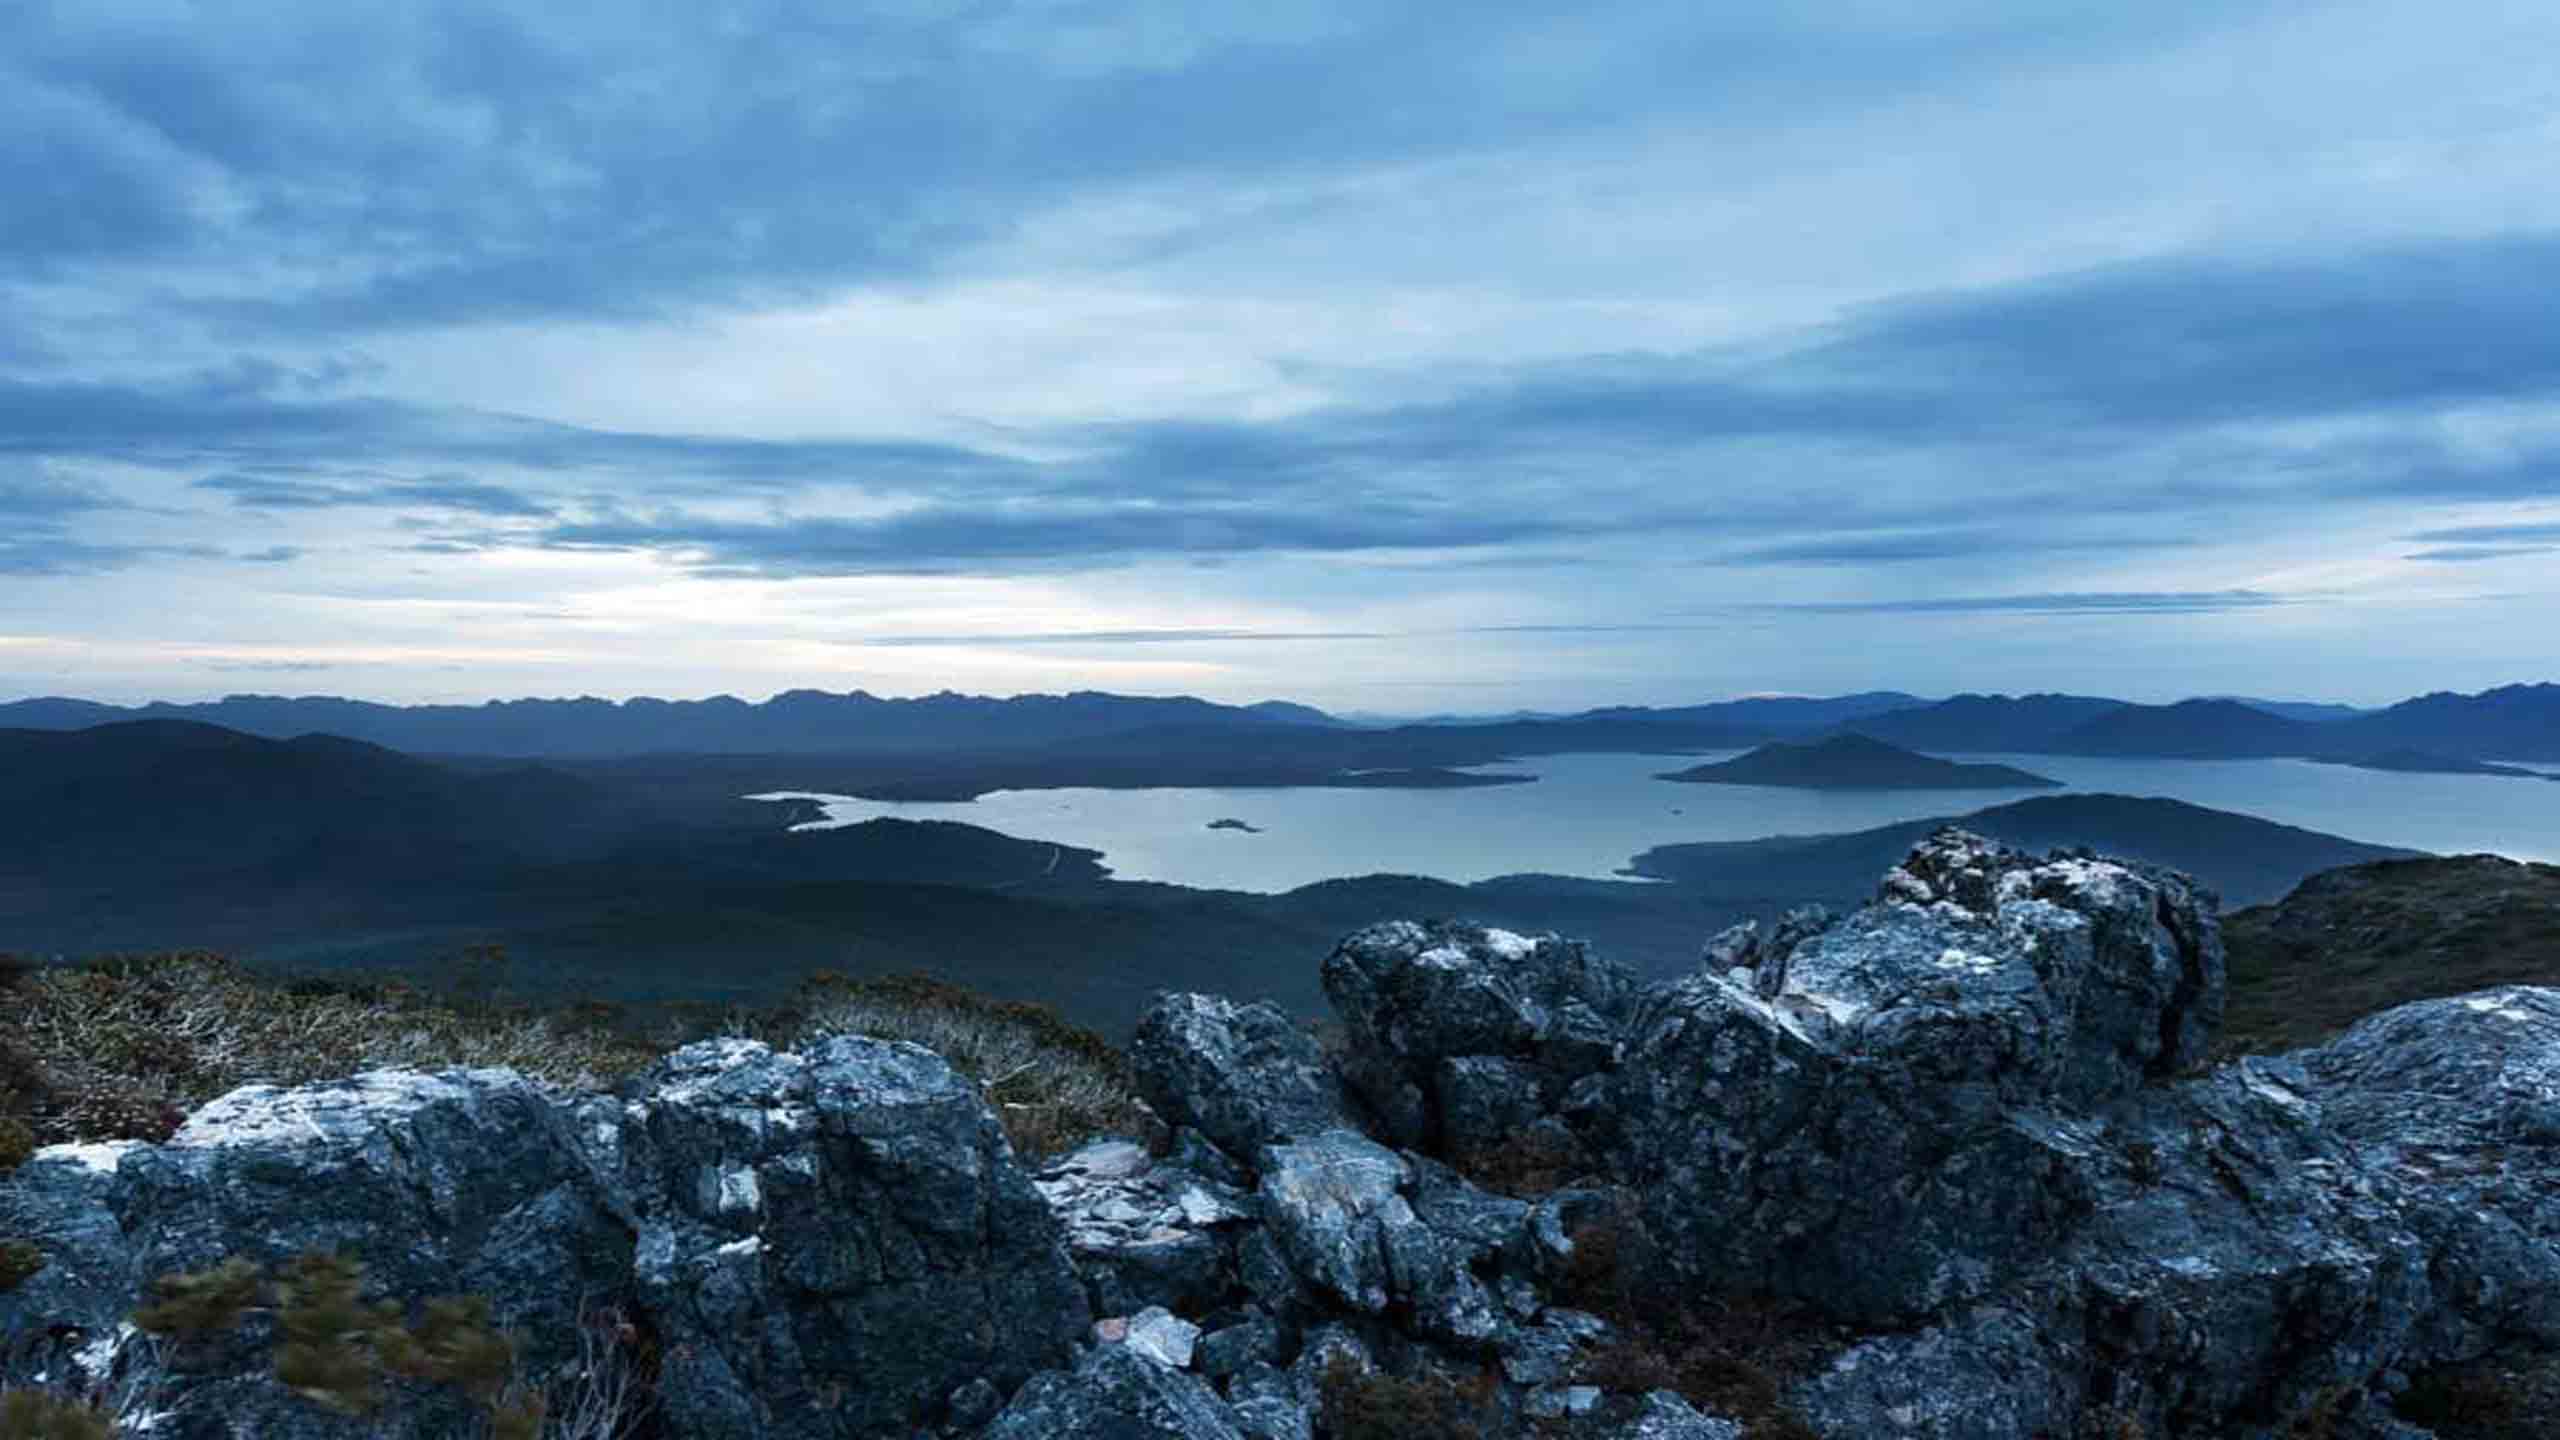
481	161
266	492
36	498
2467	554
53	555
2136	602
2491	534
946	540
1894	546
1116	637
279	667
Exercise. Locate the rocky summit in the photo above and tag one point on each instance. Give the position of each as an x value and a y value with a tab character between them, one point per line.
1964	1140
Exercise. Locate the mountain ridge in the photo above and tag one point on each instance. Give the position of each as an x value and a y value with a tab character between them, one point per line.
1853	761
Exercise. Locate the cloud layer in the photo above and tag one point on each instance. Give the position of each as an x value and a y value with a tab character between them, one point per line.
1020	347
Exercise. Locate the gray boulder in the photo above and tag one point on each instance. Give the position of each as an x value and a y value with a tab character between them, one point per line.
1903	1122
842	1237
1146	1232
1462	1036
828	1244
1242	1075
2269	1242
1115	1393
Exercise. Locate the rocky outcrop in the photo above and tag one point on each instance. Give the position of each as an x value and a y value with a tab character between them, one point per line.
1465	1041
1968	1126
1888	1114
828	1244
1242	1076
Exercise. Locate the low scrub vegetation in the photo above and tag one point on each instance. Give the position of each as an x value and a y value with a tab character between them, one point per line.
341	1352
1054	1084
124	1047
2514	1396
1727	1354
2350	943
1356	1403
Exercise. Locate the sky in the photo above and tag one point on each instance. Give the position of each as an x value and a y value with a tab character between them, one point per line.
1392	357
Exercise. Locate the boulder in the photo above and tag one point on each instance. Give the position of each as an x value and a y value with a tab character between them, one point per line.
1242	1075
1461	1035
1115	1393
845	1231
2270	1242
1146	1232
827	1244
1902	1121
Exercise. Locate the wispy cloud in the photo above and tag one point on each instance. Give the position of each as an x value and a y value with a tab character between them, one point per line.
1115	637
2156	602
266	492
2492	534
2469	554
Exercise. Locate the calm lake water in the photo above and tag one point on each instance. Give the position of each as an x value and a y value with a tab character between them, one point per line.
1588	814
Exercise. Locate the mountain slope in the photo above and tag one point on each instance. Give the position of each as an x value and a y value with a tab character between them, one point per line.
158	805
1775	714
2512	722
1978	723
1855	762
2348	942
2243	857
2194	729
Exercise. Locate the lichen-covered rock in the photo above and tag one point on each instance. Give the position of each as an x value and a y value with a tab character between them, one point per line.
1330	1199
1901	1123
1460	1034
2270	1241
826	1244
1662	1415
466	1182
1146	1232
842	1237
1115	1393
1242	1075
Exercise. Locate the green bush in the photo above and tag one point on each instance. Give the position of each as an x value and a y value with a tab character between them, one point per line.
335	1348
194	1306
329	1341
19	1262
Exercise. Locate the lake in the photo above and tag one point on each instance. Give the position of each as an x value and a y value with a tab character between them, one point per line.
1586	815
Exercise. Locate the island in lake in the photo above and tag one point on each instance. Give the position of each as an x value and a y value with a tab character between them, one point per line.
1856	762
1234	824
2428	762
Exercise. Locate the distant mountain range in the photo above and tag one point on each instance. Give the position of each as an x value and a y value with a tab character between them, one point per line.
796	721
1856	762
2514	722
1113	739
